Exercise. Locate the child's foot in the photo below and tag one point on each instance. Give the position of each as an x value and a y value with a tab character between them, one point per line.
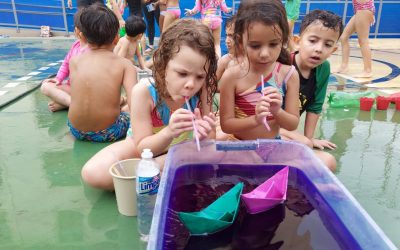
363	75
342	70
54	106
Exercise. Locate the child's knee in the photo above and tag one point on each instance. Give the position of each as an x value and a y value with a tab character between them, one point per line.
95	177
328	159
45	87
363	42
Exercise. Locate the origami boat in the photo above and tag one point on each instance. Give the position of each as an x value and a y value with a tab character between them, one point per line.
217	216
268	194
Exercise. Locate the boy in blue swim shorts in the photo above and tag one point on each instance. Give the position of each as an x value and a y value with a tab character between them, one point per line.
97	78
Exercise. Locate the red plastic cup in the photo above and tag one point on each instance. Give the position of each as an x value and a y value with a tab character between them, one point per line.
366	103
397	102
382	103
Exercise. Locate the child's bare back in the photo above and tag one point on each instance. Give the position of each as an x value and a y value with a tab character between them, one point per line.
97	77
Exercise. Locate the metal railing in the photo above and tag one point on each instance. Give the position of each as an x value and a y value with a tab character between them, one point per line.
346	14
18	9
59	9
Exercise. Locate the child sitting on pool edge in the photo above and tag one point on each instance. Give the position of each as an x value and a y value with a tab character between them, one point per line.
96	80
319	33
184	67
58	91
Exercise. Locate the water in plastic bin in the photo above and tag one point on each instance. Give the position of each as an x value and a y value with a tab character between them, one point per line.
294	222
319	212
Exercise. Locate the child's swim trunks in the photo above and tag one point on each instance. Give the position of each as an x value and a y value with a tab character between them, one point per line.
114	132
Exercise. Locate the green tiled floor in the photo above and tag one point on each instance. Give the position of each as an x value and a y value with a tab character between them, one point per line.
45	205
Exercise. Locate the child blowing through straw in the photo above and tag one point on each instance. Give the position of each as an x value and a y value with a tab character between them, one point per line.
96	80
184	68
252	107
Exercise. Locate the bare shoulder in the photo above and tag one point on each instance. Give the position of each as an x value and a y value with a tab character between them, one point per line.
142	87
231	76
290	74
224	60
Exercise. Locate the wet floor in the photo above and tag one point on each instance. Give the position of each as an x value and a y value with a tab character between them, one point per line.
45	205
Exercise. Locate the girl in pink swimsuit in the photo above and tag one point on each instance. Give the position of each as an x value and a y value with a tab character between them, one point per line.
211	16
171	13
363	18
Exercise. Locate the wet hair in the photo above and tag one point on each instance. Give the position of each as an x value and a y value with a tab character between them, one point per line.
99	25
134	26
268	12
77	19
328	19
195	35
230	21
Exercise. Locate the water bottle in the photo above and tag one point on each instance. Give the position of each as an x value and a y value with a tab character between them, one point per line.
148	180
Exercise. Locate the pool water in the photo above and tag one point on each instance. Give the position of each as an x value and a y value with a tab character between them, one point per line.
294	223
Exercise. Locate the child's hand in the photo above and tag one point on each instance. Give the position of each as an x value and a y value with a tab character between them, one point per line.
274	97
188	12
54	81
180	122
322	144
205	125
262	109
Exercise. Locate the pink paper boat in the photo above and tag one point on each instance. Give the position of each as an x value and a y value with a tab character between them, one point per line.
268	194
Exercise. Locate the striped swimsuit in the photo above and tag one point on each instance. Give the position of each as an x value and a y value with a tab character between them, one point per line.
246	102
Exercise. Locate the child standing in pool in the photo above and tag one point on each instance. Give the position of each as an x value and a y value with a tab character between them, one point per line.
259	99
211	16
96	80
184	69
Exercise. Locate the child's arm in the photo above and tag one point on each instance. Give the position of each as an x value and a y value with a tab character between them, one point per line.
207	122
115	9
288	118
195	10
229	123
315	108
225	8
63	71
222	65
309	128
140	58
122	49
129	80
180	121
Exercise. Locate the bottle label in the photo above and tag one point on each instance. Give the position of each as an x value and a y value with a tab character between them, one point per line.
149	185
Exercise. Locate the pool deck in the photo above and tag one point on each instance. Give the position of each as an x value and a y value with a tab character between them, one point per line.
45	205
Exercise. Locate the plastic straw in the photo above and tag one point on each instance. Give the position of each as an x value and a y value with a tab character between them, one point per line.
119	167
194	125
262	91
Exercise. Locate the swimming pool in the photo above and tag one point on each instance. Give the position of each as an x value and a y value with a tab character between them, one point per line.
45	205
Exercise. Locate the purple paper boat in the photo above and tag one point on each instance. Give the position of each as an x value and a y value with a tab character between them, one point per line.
268	194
